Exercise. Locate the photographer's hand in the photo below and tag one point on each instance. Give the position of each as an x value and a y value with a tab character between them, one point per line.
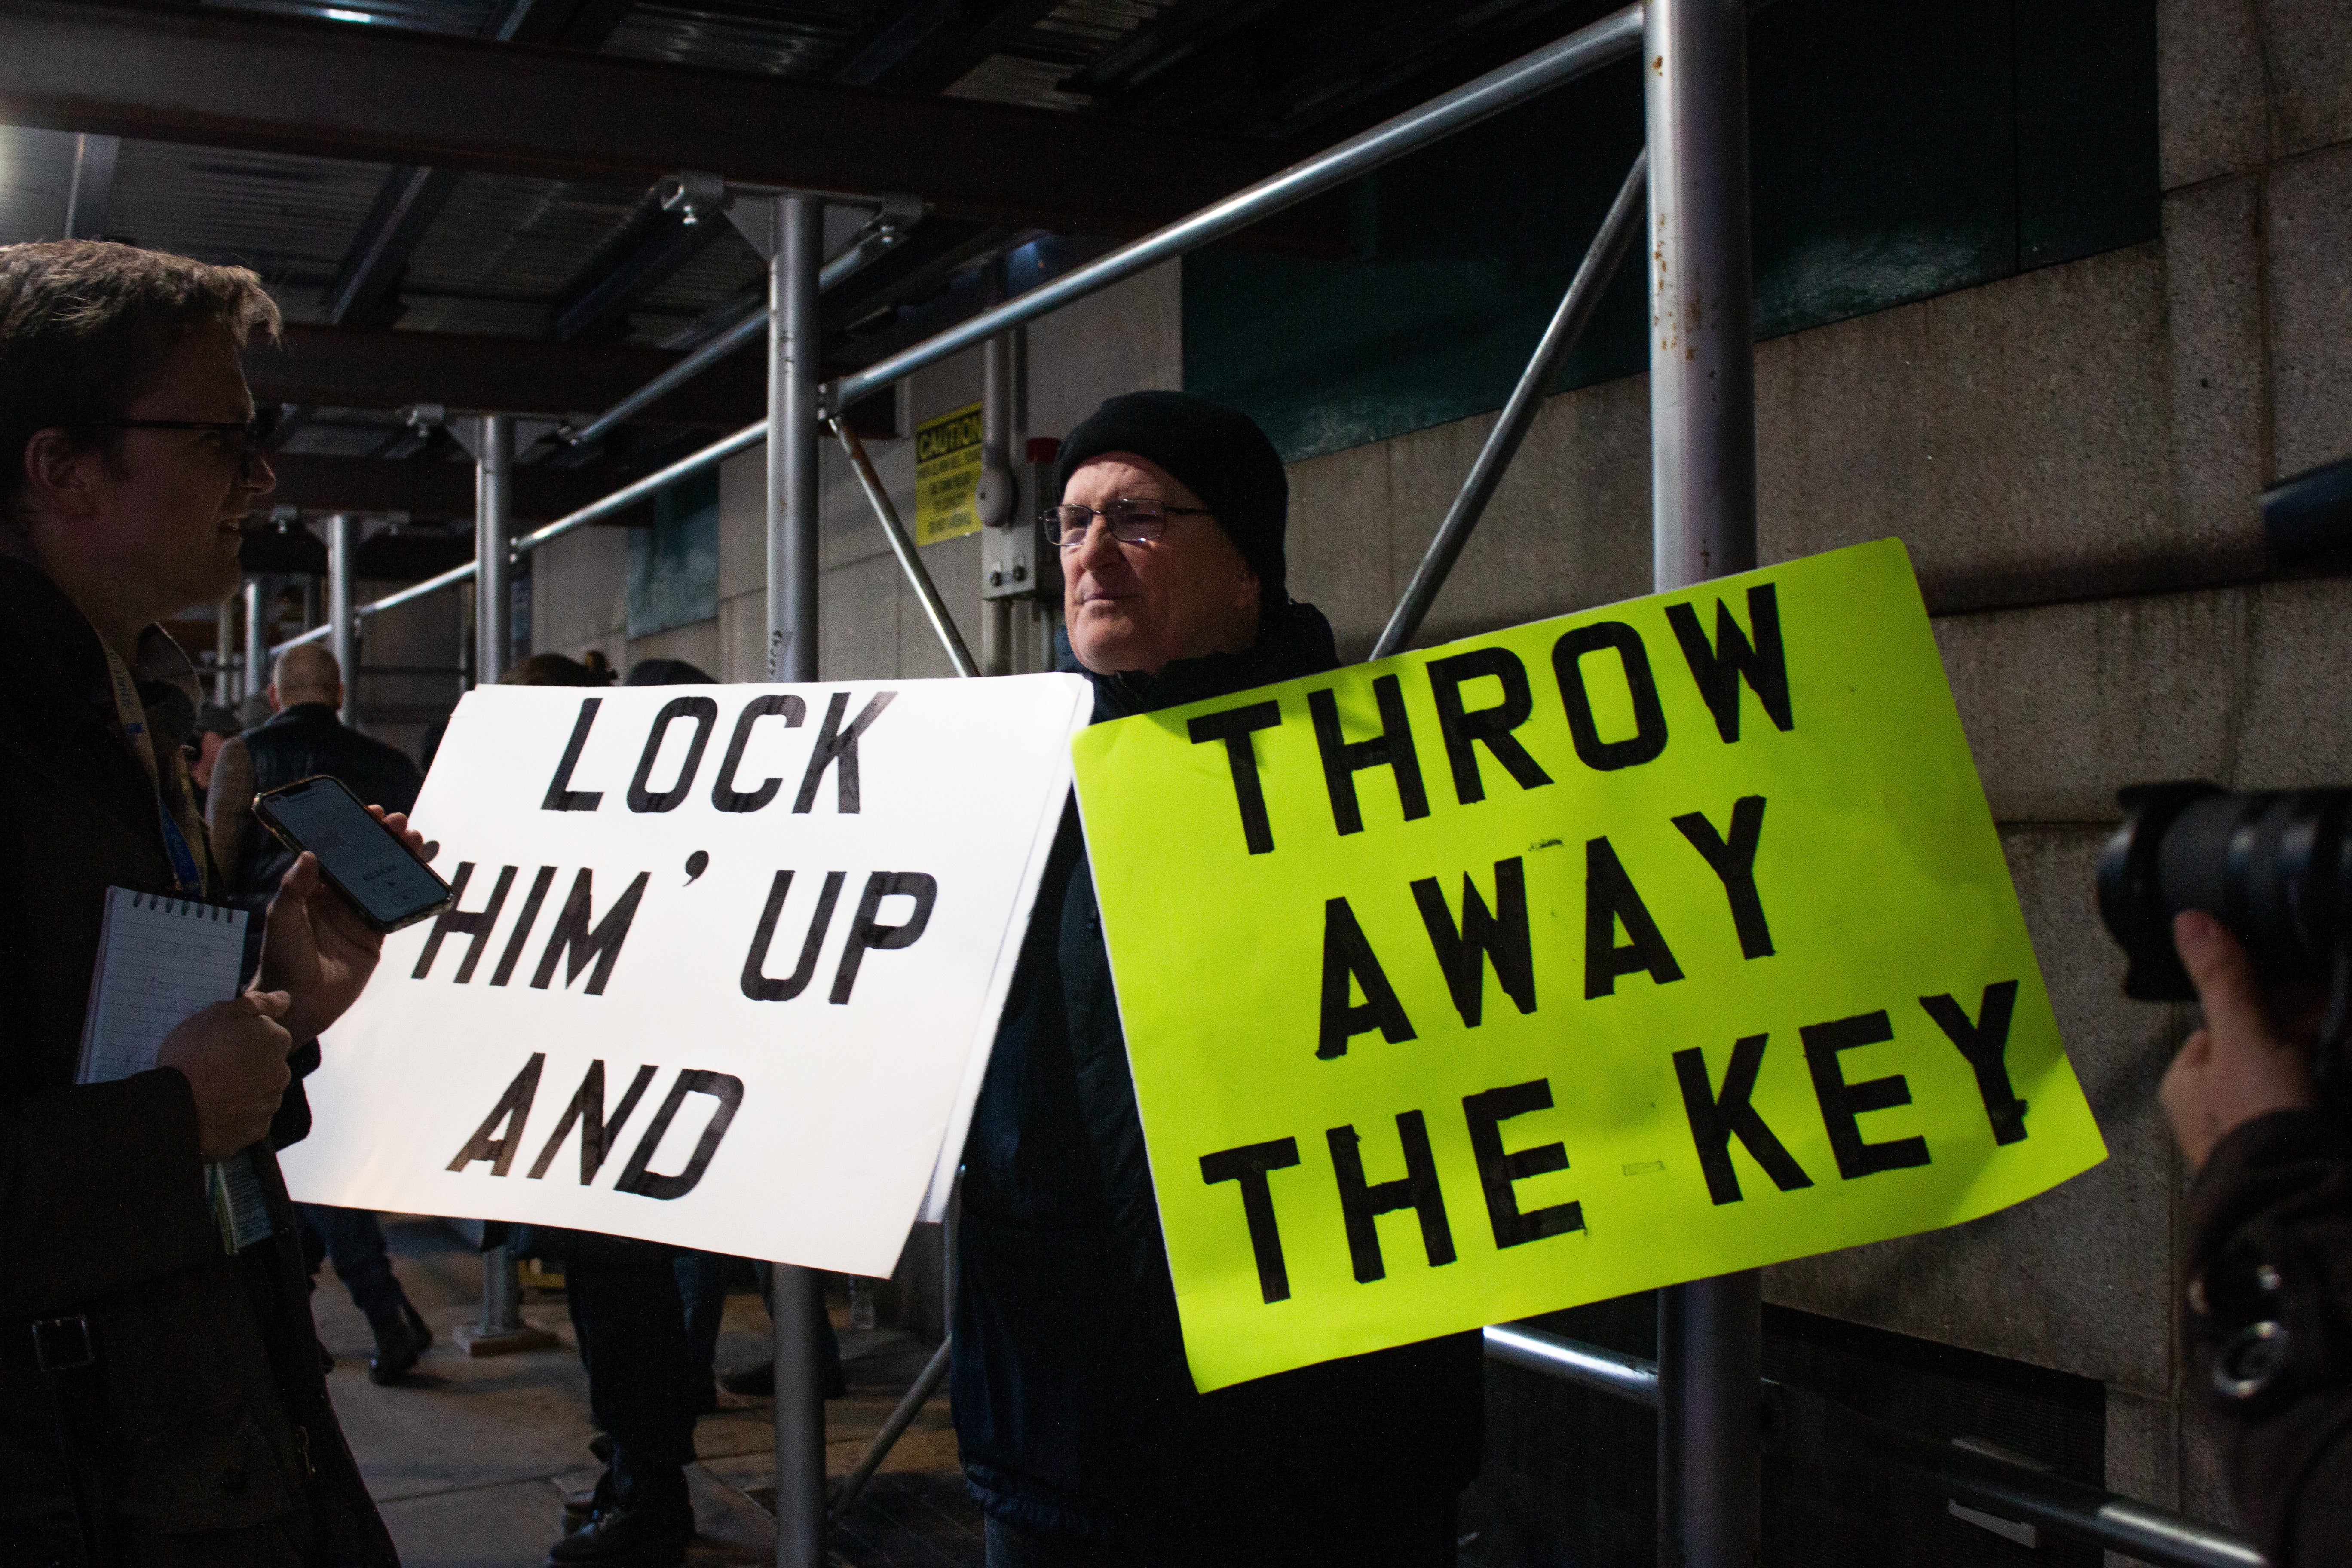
2241	1064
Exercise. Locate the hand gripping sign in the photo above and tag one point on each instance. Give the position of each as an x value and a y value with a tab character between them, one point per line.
1623	949
723	968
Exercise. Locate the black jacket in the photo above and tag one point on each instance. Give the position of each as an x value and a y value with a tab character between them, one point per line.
2270	1312
305	738
1073	1404
217	1413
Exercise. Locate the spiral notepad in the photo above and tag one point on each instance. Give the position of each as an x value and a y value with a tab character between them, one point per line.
159	960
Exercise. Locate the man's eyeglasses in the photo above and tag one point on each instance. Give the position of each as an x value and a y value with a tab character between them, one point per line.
1130	521
246	439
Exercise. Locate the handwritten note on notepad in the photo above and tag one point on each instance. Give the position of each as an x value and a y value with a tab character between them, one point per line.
159	960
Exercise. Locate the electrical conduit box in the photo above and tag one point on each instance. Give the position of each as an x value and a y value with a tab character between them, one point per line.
1016	561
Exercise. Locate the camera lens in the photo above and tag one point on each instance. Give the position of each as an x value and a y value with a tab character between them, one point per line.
2273	868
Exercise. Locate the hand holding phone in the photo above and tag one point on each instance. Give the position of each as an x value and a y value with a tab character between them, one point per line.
377	874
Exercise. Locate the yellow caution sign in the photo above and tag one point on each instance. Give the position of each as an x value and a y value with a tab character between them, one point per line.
948	462
1636	946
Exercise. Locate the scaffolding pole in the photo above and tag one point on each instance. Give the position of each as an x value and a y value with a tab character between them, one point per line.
1703	510
493	535
256	644
997	355
910	560
1613	38
342	626
798	223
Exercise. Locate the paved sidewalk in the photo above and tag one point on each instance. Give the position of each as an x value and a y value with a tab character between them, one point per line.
467	1459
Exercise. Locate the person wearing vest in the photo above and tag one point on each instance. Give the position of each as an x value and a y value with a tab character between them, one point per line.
161	1403
306	735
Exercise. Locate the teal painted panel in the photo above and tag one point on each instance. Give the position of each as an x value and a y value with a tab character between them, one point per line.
1898	151
673	564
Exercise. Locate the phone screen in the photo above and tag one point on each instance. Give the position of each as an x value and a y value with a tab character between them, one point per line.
372	867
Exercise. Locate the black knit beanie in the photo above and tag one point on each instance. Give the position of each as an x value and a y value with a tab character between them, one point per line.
1219	455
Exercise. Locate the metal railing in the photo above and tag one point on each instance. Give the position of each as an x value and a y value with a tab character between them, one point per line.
1807	1426
1613	38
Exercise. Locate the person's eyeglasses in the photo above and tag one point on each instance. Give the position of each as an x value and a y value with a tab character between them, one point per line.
248	438
1130	522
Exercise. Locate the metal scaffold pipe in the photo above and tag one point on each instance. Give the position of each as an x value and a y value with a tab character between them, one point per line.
493	532
1703	496
257	642
343	625
1612	38
875	241
793	542
902	545
1568	323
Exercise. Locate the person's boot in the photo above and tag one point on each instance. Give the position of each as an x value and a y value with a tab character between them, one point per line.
646	1523
401	1340
579	1507
585	1504
752	1383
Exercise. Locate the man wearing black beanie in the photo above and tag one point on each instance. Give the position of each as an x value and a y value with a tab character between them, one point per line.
1080	1429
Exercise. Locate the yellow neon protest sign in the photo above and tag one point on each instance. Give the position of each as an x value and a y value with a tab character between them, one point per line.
1630	947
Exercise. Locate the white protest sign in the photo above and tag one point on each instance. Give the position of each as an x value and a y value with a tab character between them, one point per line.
723	969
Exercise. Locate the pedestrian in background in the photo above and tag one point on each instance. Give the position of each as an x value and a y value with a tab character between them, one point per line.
305	735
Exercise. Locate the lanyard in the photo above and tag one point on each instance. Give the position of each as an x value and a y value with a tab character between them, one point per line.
179	836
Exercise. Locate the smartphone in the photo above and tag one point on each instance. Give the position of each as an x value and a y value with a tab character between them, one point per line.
386	884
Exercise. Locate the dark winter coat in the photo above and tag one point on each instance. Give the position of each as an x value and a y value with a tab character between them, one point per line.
305	738
1073	1404
219	1442
2270	1327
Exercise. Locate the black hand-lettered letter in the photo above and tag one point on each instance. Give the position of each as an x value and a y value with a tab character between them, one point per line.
1501	936
511	1111
1649	736
1714	1119
474	924
560	796
865	931
1234	727
1733	860
1842	1101
523	922
1497	1171
1361	1205
647	1183
1392	749
757	985
723	793
1986	1045
705	714
1719	669
1610	900
837	749
597	1135
1464	733
1349	960
1248	1165
602	944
